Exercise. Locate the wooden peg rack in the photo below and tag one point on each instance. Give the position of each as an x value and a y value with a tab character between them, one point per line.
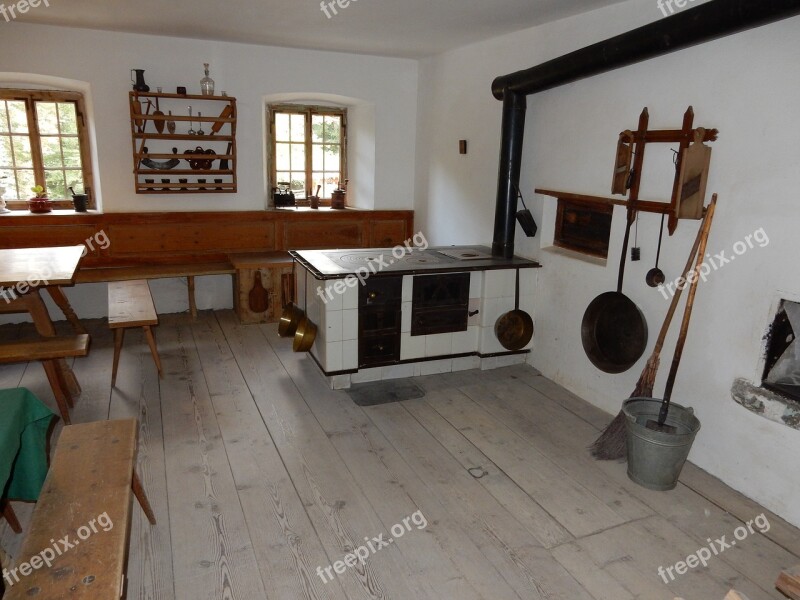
691	171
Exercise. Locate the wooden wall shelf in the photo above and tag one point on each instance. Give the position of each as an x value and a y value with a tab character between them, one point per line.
149	143
651	206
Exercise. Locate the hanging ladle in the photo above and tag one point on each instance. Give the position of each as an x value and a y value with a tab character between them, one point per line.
655	276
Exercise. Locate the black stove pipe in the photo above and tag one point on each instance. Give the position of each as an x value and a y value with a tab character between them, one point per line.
514	107
715	19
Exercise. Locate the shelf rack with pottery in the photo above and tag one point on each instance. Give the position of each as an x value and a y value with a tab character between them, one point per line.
157	153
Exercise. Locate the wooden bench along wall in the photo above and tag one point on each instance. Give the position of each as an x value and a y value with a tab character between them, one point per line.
158	242
125	246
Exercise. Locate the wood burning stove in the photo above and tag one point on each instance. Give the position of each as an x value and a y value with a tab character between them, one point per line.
390	313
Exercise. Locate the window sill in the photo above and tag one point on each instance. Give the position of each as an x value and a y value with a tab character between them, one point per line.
587	258
307	209
24	212
766	403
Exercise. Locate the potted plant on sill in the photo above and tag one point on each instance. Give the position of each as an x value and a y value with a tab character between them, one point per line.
40	203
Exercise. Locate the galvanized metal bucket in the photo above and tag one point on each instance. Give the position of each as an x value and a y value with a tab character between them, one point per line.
656	458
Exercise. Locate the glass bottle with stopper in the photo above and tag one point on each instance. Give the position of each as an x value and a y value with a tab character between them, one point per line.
206	83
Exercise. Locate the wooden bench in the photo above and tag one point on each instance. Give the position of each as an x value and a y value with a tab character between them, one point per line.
47	351
157	271
85	505
130	304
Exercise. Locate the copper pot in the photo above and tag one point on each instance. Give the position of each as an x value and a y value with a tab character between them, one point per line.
306	331
290	319
200	164
338	199
305	335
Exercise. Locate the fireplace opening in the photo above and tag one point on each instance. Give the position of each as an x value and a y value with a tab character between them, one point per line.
782	364
440	304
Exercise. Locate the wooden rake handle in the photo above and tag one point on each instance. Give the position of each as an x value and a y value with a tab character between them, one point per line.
687	314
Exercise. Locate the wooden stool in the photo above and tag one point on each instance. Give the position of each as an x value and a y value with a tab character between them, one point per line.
789	583
88	494
130	304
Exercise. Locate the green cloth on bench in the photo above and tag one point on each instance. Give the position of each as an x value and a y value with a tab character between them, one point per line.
24	423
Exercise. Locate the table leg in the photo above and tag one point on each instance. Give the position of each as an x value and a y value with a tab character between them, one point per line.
58	296
62	398
192	303
10	516
41	319
119	336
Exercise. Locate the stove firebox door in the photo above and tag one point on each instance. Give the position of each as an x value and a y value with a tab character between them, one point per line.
379	323
440	304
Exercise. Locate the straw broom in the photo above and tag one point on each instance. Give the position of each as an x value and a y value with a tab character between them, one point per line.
612	443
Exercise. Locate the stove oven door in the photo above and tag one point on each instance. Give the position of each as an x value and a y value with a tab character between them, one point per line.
440	303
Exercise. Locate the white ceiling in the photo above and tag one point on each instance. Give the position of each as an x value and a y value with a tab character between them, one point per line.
403	28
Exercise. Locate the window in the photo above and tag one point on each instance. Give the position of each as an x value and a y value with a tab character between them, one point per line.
583	226
782	366
308	149
43	141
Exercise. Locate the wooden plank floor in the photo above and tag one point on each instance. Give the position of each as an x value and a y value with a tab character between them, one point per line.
261	478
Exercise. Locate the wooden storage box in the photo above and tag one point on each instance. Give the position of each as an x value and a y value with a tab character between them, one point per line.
277	279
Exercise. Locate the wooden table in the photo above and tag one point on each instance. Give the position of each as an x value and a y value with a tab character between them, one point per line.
23	272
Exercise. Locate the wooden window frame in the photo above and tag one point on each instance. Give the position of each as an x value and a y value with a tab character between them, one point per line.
30	97
588	247
308	110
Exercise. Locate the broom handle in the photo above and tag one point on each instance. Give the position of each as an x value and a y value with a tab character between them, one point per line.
677	295
687	314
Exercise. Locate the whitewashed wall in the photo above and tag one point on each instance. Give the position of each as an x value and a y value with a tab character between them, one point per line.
748	87
380	92
101	61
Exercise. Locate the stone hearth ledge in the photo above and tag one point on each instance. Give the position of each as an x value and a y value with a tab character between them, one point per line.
766	403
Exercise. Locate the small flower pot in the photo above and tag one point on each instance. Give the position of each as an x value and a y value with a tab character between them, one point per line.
40	205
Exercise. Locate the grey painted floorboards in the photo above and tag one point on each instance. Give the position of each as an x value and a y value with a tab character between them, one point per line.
262	478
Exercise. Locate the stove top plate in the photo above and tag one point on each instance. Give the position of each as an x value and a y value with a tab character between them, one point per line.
335	264
466	254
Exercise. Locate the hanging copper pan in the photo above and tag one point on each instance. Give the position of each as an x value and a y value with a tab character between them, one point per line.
306	329
614	330
292	314
514	329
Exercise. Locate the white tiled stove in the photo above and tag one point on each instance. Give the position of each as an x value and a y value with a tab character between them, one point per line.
336	347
